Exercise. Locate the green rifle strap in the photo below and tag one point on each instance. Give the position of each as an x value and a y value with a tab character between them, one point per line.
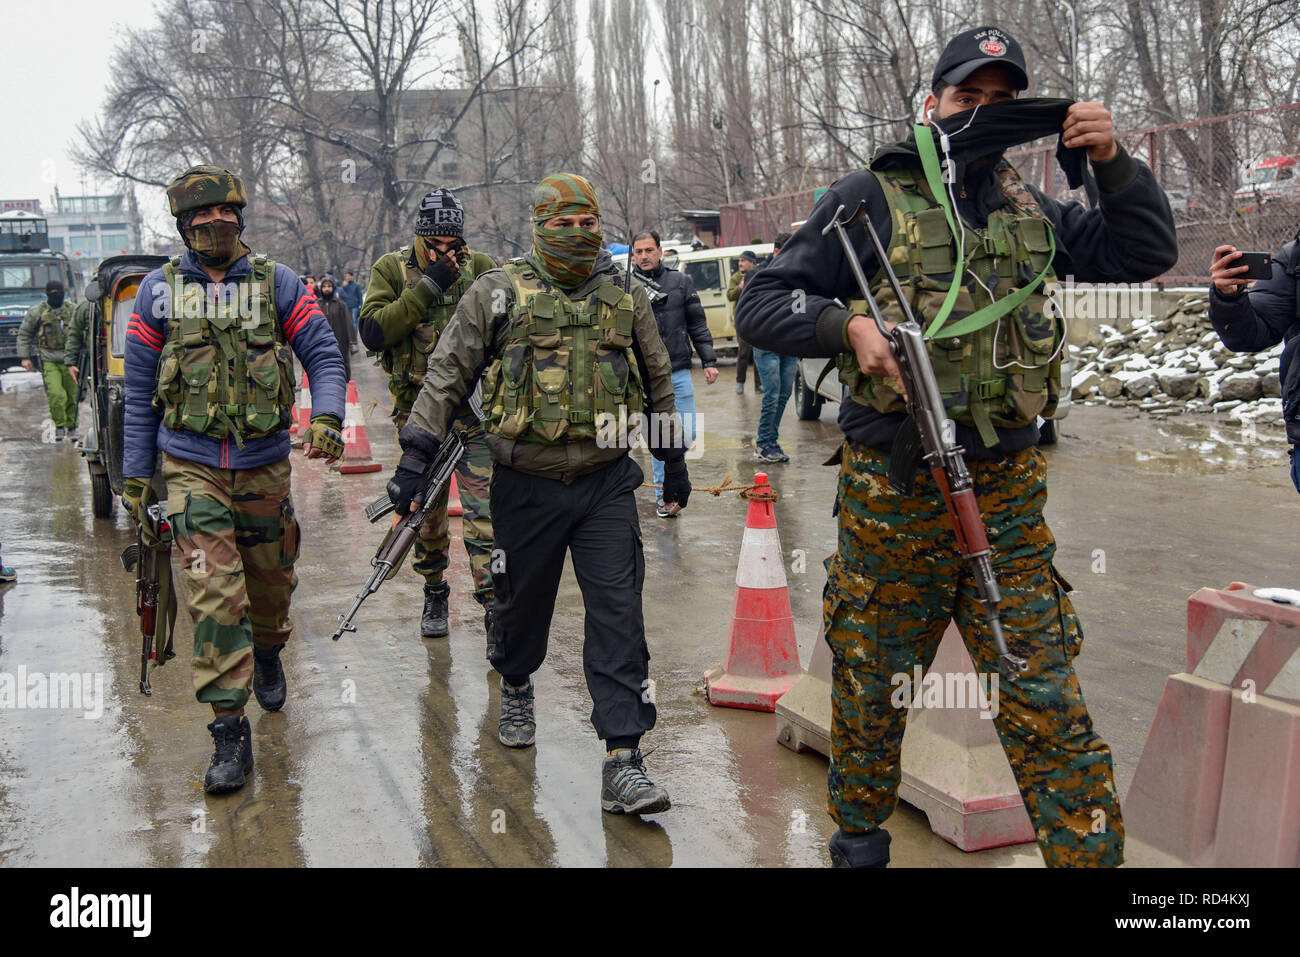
930	164
994	310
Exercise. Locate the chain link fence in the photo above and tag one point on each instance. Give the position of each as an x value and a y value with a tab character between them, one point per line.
1230	179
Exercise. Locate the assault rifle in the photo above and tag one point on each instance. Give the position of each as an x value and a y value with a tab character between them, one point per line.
392	550
929	435
653	290
153	590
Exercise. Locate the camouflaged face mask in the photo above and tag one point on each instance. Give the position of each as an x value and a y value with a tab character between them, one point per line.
567	255
216	243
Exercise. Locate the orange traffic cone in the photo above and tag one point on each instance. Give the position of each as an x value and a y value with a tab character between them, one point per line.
453	499
356	450
763	661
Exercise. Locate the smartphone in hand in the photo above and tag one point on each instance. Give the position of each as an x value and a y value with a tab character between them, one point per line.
1261	266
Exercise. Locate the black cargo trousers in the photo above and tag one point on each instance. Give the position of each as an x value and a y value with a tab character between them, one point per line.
534	521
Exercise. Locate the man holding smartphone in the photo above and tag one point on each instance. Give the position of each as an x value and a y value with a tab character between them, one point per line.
1263	317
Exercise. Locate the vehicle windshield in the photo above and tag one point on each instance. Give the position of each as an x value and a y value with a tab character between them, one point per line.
30	276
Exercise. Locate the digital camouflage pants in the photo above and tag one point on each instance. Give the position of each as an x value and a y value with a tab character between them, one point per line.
892	586
61	394
473	478
237	538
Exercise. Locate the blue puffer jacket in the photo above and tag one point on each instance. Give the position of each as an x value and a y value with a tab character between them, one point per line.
1266	315
306	331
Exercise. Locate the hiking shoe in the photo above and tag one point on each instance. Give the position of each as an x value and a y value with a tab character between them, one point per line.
433	624
740	388
772	453
233	758
59	433
663	511
268	677
625	789
7	575
517	728
780	452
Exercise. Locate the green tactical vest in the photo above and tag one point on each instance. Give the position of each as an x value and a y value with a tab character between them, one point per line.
564	362
52	326
407	362
225	368
1004	374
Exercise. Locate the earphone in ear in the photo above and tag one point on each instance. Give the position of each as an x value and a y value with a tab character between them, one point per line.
928	114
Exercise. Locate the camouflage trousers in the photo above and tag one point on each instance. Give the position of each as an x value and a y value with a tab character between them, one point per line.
237	538
473	477
892	586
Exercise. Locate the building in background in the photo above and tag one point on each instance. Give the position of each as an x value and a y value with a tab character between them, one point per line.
89	229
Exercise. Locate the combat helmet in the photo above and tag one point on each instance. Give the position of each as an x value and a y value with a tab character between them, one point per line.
201	186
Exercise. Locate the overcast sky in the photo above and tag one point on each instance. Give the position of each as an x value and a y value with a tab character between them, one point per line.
56	63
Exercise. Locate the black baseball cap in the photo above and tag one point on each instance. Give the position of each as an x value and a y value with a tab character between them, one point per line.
749	254
982	46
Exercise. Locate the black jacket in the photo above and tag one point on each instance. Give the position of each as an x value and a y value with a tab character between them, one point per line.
1261	318
795	305
339	317
680	316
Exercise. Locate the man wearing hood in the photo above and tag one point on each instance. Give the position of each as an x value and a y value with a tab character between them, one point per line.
208	384
897	576
412	295
566	351
48	323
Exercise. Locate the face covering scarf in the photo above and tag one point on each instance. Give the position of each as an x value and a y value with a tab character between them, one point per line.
988	131
216	243
55	299
567	256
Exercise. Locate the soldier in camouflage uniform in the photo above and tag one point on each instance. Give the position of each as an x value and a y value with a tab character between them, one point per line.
412	295
897	576
208	383
48	323
568	353
79	341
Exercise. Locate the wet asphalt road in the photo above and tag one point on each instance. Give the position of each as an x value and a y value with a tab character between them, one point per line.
386	753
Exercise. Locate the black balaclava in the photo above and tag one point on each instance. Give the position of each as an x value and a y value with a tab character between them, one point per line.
992	131
54	293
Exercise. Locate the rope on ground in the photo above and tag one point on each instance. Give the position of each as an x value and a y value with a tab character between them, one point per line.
757	493
374	403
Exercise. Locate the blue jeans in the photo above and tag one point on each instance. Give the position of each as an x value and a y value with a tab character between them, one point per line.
684	391
1295	467
777	374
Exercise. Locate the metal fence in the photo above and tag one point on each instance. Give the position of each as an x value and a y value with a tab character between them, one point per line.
759	220
1230	179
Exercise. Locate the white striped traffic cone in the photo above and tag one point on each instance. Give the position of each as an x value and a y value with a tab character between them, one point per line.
763	660
356	449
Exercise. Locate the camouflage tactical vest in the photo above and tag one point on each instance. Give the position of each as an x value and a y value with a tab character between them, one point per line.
407	362
52	326
1004	374
564	363
225	368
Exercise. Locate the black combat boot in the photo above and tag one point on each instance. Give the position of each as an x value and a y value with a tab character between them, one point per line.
268	677
233	757
486	602
869	849
433	624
